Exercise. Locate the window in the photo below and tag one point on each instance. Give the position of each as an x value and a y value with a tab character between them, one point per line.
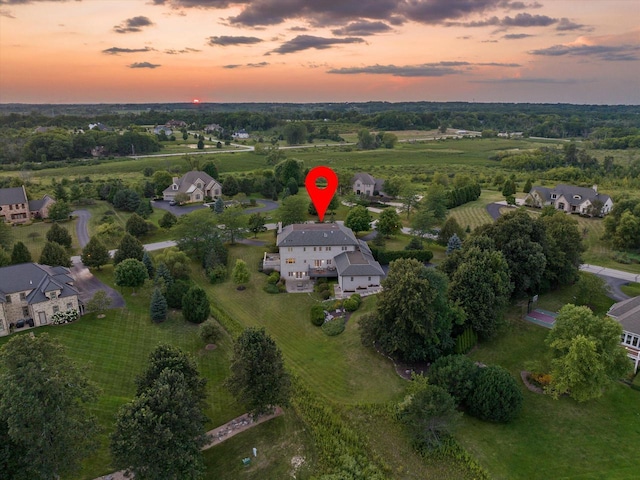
199	185
327	249
352	279
315	249
291	260
70	305
174	186
25	312
553	196
304	249
329	262
317	263
291	274
23	296
197	196
56	309
634	342
369	278
7	298
53	295
344	249
289	249
1	325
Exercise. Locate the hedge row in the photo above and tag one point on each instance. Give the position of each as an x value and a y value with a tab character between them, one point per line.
460	196
231	325
387	256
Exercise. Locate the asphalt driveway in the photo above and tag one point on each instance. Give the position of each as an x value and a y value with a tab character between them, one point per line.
267	205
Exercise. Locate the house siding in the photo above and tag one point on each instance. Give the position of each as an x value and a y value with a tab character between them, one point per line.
296	261
361	281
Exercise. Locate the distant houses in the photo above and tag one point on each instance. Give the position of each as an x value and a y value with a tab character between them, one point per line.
16	208
570	199
365	184
241	134
196	185
163	128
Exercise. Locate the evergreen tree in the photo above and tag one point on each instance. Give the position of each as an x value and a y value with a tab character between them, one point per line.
258	377
148	263
163	276
53	254
130	247
195	305
137	226
144	209
527	186
59	211
240	273
5	258
60	235
211	169
95	254
218	205
168	220
453	244
20	254
158	307
230	186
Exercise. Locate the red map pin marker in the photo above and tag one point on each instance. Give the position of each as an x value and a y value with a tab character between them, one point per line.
321	197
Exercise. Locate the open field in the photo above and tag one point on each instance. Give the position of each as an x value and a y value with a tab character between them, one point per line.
475	213
34	236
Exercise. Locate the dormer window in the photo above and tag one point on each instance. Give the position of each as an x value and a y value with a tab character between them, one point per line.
554	196
53	295
199	185
577	197
175	186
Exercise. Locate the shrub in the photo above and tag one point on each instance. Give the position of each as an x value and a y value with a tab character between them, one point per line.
385	257
325	294
317	315
357	298
333	327
456	374
496	396
351	305
415	244
61	318
217	274
271	288
209	331
273	278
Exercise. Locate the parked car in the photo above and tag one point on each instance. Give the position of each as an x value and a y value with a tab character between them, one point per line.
20	324
30	322
172	203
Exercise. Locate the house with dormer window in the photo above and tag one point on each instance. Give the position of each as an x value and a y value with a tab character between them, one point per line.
198	186
30	294
627	313
323	250
570	199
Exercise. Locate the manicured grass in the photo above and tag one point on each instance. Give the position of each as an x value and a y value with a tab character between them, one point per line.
34	236
632	289
474	214
115	349
553	438
338	367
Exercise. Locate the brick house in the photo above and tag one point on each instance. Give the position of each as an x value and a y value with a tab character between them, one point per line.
16	208
31	293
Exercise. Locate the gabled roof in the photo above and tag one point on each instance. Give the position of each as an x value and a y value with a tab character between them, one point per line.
365	178
316	234
12	195
188	180
627	313
36	279
357	264
568	192
38	204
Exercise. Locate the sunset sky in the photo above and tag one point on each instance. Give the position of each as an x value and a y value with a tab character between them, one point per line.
106	51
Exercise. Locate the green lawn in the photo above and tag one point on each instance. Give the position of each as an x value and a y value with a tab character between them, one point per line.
632	289
553	438
474	214
34	236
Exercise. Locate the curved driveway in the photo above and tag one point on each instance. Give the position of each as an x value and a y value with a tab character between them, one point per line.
87	283
267	206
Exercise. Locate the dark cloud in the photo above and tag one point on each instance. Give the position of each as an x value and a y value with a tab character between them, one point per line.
184	50
144	65
438	69
520	20
255	13
298	29
362	28
226	40
118	50
134	24
305	42
516	36
567	25
248	65
611	53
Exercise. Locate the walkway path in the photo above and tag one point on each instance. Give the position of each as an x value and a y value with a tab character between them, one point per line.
217	436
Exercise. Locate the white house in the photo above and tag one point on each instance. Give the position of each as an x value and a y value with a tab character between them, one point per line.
570	199
365	184
240	134
196	185
627	313
331	250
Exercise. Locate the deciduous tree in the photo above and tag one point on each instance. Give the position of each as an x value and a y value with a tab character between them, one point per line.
240	273
358	219
388	222
43	410
100	302
59	211
130	273
587	355
496	396
293	210
232	223
258	377
256	224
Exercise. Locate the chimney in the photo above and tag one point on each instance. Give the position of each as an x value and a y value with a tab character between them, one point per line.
595	188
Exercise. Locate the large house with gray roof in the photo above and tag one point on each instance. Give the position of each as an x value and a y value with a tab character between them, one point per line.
581	200
15	207
197	185
365	184
330	250
627	313
30	294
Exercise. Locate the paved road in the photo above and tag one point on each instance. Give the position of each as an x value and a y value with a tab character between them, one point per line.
610	272
82	229
267	205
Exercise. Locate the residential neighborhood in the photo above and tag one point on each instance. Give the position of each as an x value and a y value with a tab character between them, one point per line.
197	186
571	199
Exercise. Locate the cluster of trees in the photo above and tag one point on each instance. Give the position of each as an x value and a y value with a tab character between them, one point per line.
54	253
622	225
59	144
371	141
462	195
